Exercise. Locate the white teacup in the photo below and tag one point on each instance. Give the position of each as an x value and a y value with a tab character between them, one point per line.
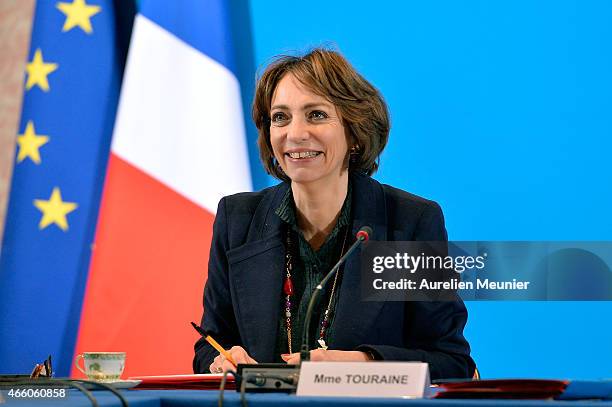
102	366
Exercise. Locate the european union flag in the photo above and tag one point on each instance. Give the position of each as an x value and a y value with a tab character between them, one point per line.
72	83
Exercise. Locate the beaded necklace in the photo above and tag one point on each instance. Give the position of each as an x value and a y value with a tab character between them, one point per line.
288	291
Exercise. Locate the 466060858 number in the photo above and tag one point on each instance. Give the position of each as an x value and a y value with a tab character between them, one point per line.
36	393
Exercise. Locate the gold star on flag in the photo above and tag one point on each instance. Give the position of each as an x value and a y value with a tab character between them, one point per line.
54	210
29	142
38	71
78	13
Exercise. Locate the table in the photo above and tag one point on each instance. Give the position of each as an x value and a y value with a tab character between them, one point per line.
203	398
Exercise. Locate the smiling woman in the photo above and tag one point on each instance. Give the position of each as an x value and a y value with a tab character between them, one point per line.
322	128
329	79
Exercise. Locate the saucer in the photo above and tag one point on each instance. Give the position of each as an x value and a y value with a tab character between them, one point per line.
117	384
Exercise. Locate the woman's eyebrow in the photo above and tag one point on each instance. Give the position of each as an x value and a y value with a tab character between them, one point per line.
306	106
282	107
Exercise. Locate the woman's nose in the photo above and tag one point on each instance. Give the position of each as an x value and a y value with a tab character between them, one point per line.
298	131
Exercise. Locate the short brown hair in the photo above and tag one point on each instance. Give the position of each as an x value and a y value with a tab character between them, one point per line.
328	74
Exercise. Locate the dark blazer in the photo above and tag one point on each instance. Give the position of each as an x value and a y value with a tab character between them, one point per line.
242	297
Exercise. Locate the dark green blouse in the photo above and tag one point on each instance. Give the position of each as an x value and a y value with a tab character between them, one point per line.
308	270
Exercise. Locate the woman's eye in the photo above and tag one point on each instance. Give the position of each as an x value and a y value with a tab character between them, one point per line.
278	117
317	115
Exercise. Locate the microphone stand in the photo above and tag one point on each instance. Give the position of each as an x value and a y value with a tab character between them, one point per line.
362	236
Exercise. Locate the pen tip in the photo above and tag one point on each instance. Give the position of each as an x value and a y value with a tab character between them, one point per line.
197	328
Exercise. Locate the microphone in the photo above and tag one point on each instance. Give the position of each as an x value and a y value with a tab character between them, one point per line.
363	235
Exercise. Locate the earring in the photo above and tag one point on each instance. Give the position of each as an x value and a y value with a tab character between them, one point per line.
354	154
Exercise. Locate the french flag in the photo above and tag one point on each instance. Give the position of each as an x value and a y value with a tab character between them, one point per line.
178	146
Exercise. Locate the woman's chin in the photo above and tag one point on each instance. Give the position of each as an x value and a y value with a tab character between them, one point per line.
303	179
304	176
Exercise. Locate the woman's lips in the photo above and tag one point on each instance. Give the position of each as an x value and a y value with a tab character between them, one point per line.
298	155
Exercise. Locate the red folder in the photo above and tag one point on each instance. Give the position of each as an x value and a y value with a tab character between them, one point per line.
501	389
187	381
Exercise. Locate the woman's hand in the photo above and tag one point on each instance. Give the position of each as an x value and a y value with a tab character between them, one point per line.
322	355
220	364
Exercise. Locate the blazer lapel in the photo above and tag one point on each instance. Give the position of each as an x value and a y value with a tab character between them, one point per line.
354	316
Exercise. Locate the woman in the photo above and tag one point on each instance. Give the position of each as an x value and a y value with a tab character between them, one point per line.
322	128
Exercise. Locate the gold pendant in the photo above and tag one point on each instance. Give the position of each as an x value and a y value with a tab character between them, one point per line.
322	344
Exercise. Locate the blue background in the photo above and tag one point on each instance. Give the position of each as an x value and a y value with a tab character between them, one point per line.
501	112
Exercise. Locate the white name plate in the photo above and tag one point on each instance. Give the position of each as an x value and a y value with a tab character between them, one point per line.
364	379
